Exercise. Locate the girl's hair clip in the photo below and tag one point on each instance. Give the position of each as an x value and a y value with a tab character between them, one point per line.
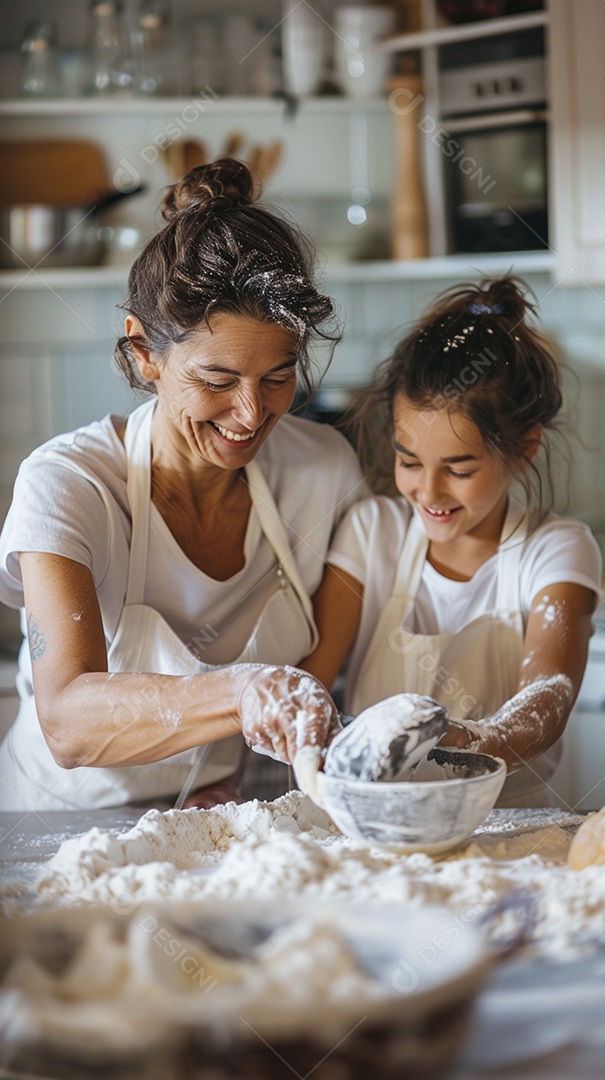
485	309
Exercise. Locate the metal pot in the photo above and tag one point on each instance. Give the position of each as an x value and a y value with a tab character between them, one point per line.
33	235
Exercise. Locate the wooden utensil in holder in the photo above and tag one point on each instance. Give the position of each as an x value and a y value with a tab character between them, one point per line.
409	219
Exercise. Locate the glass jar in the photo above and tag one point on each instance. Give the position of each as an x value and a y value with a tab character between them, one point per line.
206	57
39	73
157	61
110	64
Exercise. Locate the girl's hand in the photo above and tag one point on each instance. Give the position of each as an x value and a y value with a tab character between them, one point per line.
283	710
462	734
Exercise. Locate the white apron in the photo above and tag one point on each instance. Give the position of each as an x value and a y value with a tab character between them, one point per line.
143	642
472	672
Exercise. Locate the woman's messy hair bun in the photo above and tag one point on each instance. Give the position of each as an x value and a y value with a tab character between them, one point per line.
222	251
221	185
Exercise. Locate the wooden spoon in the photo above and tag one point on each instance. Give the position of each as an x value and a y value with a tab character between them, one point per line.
174	159
194	154
255	160
233	145
271	156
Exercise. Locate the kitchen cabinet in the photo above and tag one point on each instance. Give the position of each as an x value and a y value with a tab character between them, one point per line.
480	120
350	144
575	45
577	149
331	146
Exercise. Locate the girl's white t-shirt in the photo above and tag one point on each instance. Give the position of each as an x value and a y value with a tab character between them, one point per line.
368	543
70	499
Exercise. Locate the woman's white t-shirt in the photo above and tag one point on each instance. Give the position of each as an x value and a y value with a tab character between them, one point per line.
70	500
368	543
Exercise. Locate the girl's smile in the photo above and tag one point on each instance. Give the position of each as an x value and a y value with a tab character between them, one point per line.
440	515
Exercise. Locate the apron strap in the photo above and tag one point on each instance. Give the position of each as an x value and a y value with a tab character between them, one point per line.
412	559
137	443
273	528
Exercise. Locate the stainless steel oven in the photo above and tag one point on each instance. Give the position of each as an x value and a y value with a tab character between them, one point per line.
493	108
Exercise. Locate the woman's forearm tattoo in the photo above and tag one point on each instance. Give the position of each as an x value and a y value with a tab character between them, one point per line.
36	639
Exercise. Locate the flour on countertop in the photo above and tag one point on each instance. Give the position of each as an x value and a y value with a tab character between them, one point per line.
290	849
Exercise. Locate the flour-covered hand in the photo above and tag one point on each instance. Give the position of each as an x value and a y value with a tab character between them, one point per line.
462	734
283	710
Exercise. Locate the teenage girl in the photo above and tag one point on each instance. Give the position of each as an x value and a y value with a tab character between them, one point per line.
455	588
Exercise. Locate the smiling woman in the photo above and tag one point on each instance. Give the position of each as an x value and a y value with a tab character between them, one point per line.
162	561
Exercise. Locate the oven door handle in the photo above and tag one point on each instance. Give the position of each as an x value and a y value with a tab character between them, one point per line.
517	118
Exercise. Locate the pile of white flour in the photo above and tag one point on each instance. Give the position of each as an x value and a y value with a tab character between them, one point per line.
290	849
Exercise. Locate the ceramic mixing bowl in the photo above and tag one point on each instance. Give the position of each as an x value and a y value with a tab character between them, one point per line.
238	991
446	798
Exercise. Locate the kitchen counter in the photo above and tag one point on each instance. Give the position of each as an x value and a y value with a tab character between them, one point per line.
27	841
534	1019
538	1020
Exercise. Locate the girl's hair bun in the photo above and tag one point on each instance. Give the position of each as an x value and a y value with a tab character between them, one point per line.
224	184
506	297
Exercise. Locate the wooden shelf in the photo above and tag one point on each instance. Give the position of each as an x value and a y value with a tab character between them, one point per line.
123	106
455	267
445	35
451	266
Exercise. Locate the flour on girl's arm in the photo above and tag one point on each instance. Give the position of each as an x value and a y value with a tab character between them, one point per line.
539	700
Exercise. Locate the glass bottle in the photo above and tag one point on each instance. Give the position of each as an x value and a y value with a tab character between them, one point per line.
207	62
39	73
110	63
156	60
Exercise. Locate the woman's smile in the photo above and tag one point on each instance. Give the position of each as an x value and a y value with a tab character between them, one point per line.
233	436
223	389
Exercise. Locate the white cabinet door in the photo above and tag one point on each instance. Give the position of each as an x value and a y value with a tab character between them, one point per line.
580	777
577	152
